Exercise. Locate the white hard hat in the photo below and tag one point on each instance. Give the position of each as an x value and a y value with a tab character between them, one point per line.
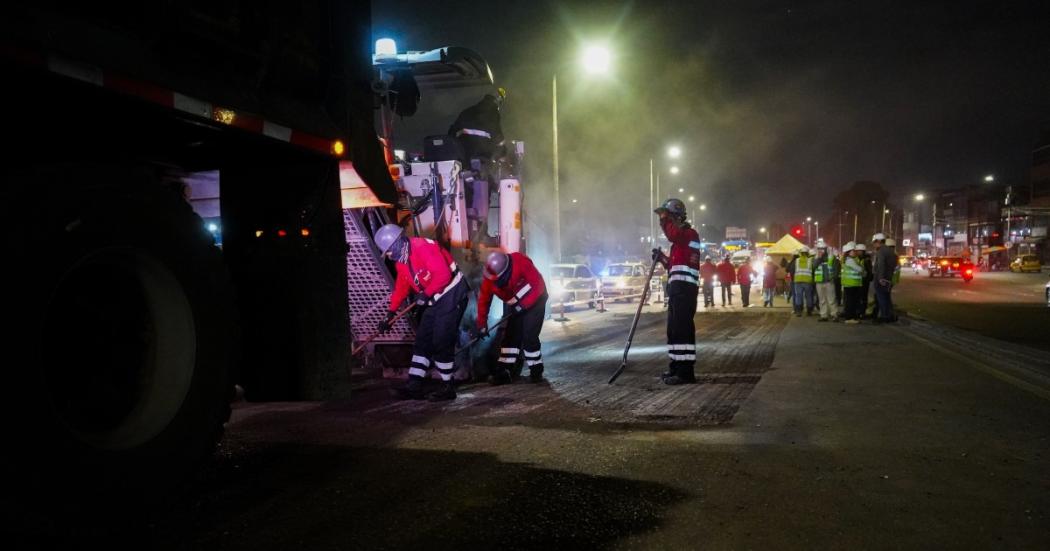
849	247
804	250
387	235
860	247
891	242
878	237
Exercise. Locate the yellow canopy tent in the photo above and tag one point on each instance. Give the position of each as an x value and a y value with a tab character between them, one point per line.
783	250
786	246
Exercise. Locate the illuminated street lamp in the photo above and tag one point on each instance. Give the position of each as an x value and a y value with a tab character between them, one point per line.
674	152
989	178
596	60
765	231
681	190
674	170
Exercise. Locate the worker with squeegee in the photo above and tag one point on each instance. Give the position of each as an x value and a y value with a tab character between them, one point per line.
683	269
515	280
427	268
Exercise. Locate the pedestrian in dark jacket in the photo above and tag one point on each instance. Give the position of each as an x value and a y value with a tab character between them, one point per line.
884	266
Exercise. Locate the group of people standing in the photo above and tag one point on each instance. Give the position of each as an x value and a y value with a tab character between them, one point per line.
726	275
825	283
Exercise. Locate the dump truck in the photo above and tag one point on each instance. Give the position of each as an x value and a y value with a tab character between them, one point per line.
173	187
190	191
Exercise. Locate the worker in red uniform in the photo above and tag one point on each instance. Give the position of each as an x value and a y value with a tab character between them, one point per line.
708	273
683	270
516	281
726	279
427	269
743	278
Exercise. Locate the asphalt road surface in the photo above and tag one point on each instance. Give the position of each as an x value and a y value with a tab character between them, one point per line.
801	435
1003	305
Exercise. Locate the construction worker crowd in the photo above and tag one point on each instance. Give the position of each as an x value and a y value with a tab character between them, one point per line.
837	287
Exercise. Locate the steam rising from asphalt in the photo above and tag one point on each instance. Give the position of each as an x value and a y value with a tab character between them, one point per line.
776	107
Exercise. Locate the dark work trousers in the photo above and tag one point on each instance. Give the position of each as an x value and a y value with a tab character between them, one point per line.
681	331
727	289
883	303
838	292
866	288
709	294
438	333
851	296
745	295
522	338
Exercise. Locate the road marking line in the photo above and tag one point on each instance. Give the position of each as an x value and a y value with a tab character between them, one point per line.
1004	377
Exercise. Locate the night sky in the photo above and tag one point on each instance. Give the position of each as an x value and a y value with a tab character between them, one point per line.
777	105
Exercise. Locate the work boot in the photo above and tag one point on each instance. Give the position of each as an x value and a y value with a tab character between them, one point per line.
822	319
413	390
499	377
680	380
536	373
447	393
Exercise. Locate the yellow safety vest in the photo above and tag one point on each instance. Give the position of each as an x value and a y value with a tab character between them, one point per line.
804	269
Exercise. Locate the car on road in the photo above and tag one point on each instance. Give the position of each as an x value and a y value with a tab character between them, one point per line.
946	266
572	283
624	280
1026	263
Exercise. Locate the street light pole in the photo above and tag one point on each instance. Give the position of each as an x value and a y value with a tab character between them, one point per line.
652	207
557	190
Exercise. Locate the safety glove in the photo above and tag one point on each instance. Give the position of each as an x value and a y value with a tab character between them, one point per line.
386	324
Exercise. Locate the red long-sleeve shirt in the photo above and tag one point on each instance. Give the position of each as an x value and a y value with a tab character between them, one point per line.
726	273
707	271
743	274
683	264
429	270
525	284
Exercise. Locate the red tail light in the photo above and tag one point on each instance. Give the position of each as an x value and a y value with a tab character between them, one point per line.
944	263
969	271
955	265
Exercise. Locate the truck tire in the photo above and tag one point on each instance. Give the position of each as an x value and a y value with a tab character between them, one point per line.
125	333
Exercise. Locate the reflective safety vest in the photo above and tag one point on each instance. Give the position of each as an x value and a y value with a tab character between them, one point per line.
804	270
825	271
897	273
852	273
